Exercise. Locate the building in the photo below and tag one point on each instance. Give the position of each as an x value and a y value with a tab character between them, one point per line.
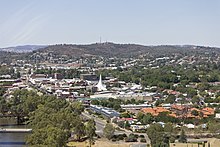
154	111
137	96
100	86
135	107
107	112
88	77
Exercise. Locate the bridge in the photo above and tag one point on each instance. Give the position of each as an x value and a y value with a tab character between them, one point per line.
6	115
15	130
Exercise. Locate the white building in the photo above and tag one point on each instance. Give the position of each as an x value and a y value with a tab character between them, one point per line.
100	86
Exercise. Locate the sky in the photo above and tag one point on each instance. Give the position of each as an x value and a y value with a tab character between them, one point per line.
146	22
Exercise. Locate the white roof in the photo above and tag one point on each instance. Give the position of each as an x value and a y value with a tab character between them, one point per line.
190	126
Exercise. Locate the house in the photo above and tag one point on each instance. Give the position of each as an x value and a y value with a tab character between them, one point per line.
139	127
154	111
129	120
190	126
208	111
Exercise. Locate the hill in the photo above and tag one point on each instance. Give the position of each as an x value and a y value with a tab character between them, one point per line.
106	50
124	50
22	49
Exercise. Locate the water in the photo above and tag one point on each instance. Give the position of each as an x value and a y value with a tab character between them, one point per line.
11	139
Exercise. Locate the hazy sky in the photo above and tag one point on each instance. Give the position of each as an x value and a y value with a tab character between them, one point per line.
147	22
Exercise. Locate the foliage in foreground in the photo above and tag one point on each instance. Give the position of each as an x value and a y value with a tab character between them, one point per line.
51	119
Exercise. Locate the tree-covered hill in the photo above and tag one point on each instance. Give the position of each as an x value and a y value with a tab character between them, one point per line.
124	50
110	50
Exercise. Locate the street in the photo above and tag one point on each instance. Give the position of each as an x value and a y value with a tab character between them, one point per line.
100	124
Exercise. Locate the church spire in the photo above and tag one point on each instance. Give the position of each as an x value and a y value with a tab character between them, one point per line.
100	86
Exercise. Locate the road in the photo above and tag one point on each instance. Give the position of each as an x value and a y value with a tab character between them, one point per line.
100	124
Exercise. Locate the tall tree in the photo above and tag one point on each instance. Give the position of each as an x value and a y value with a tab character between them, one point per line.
79	128
3	105
77	108
108	131
90	131
157	136
49	136
182	138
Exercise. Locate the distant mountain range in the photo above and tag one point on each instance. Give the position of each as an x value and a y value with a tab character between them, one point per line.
69	51
22	49
123	50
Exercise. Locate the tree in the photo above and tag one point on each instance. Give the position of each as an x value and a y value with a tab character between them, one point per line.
158	102
49	136
191	92
23	103
203	86
195	100
183	137
90	131
125	115
50	118
2	91
168	127
126	125
214	127
116	106
140	116
170	99
147	119
77	108
79	128
195	112
156	134
3	105
108	131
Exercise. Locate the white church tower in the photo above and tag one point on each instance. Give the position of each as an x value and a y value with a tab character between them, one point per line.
100	86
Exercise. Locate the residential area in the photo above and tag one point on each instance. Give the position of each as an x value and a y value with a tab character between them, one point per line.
172	94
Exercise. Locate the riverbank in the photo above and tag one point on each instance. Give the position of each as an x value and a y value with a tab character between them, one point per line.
12	139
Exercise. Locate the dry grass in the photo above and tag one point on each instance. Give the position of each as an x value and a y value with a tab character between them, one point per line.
106	143
99	143
213	143
77	144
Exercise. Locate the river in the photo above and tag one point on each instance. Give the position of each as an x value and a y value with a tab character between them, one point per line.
11	139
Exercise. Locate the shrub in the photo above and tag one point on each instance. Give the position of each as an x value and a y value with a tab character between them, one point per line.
128	139
120	137
136	136
124	135
172	139
143	140
114	139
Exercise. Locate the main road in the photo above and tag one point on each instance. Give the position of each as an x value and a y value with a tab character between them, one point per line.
100	124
